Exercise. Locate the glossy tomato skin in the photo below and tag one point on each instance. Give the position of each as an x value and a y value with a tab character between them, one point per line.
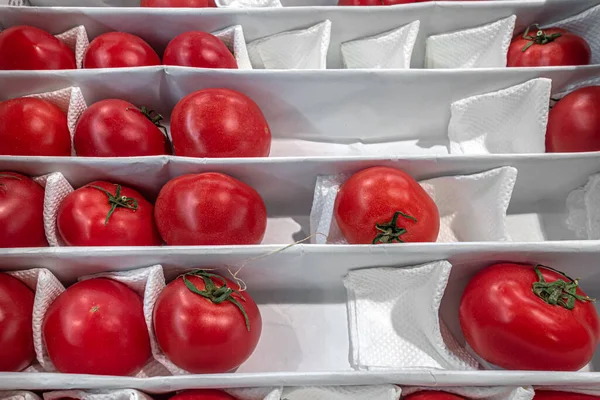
81	218
97	327
28	48
574	122
209	209
119	50
198	49
432	395
200	336
509	326
568	49
203	394
219	123
117	128
552	395
178	3
372	196
21	212
33	127
16	332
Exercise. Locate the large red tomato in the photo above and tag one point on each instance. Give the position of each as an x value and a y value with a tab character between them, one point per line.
105	214
548	47
552	395
219	123
574	122
97	327
198	49
432	395
117	128
21	212
119	50
33	127
16	326
178	3
203	394
210	209
204	325
385	205
29	48
529	318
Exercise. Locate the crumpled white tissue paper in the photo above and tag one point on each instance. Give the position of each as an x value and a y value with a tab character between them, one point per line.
381	392
233	37
248	3
511	120
119	394
482	393
388	50
56	188
482	47
77	40
301	49
18	395
583	210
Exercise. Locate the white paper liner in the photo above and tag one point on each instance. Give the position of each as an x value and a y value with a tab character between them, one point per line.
18	395
507	121
483	393
301	49
393	318
233	37
248	3
120	394
583	210
382	392
472	207
482	47
56	188
388	50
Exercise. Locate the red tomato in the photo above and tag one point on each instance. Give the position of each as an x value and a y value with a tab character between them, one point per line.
117	128
21	212
219	123
105	214
119	50
574	122
210	209
385	205
506	322
16	326
550	395
548	47
97	327
177	3
200	50
432	395
29	48
33	127
203	394
210	329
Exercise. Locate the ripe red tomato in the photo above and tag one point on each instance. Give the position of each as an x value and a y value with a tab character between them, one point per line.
33	127
97	327
385	205
219	123
198	49
551	395
210	209
119	50
16	326
432	395
177	3
105	214
203	394
29	48
21	212
508	317
548	47
204	325
574	122
117	128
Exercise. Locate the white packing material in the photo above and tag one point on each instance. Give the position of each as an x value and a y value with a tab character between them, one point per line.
481	47
248	3
301	49
118	394
18	395
472	207
233	37
382	392
511	120
56	188
583	206
388	50
481	393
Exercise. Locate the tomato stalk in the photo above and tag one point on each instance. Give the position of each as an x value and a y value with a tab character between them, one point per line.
155	118
558	293
390	232
540	37
213	293
117	200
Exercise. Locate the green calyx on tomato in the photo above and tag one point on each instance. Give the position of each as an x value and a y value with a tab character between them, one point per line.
213	293
117	200
558	293
540	37
155	118
390	232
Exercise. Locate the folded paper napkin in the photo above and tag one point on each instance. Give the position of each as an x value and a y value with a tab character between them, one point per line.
586	25
388	50
482	47
511	120
248	3
472	207
393	319
301	49
119	394
56	188
483	393
18	394
583	210
233	37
